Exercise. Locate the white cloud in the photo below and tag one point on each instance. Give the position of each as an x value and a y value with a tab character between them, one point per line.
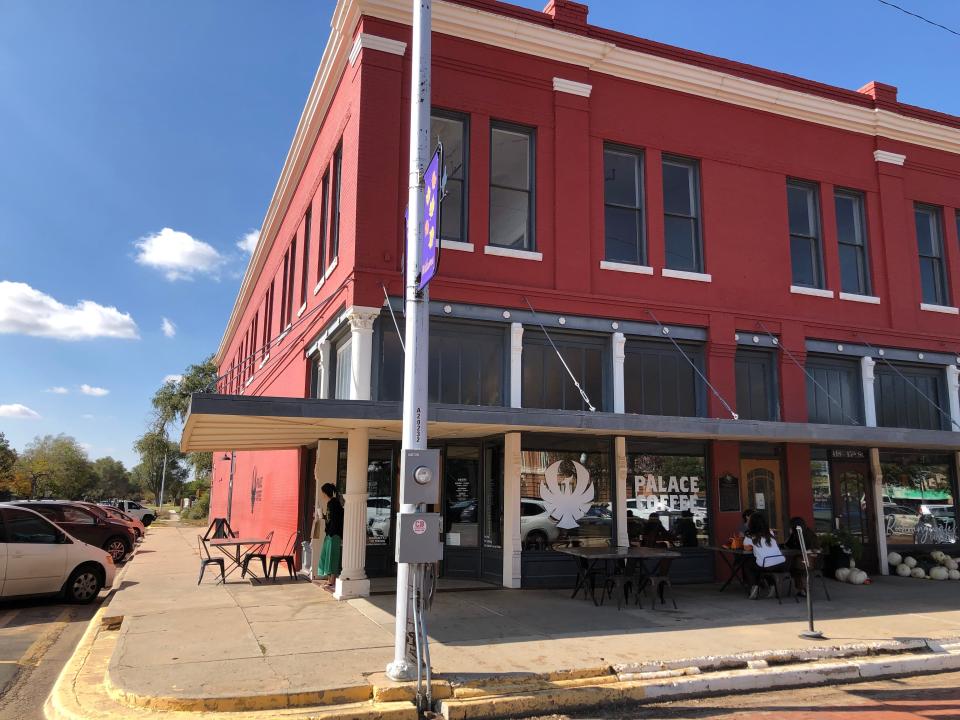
87	416
178	255
58	390
248	243
18	411
169	329
94	391
172	378
26	311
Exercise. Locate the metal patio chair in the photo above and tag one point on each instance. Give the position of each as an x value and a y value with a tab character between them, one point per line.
287	557
206	559
257	553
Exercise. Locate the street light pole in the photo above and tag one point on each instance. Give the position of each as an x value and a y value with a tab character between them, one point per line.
416	310
163	481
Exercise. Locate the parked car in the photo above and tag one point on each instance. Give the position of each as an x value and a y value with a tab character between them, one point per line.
39	558
113	536
378	516
136	510
537	529
114	514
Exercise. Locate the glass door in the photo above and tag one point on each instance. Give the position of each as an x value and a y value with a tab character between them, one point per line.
461	511
853	506
761	487
491	547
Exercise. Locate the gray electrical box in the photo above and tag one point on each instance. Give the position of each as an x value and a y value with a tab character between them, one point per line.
421	477
418	538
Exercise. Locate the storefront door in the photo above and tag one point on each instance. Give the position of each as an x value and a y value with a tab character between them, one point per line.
761	488
853	506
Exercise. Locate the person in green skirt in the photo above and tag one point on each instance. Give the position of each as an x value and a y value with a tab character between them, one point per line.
329	566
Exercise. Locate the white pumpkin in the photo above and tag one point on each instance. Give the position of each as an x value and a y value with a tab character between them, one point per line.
953	574
894	558
951	564
937	556
939	573
842	574
910	562
903	570
857	577
918	572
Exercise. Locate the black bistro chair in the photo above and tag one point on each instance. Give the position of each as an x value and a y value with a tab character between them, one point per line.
257	553
658	582
286	557
206	559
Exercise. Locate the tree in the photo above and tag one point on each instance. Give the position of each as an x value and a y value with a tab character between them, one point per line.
172	401
155	450
55	466
8	459
113	479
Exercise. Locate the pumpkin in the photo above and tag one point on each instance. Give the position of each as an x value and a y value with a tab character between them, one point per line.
918	573
937	555
903	570
910	562
894	558
953	574
842	574
939	573
857	577
951	564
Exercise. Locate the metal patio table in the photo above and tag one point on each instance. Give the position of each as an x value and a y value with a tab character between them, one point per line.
589	557
224	545
736	558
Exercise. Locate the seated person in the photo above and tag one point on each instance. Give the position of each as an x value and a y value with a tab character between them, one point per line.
654	533
766	554
686	529
746	521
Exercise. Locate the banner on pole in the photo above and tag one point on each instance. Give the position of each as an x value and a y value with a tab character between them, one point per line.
430	237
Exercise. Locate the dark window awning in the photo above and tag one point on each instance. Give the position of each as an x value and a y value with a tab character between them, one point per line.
236	422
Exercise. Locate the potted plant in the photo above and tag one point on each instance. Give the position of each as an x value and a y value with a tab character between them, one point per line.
839	548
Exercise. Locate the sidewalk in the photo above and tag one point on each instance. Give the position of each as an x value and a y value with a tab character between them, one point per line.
247	646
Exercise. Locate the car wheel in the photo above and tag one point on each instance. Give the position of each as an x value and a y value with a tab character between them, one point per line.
147	519
84	584
117	548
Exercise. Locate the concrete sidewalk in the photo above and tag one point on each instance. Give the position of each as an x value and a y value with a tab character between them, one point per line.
246	646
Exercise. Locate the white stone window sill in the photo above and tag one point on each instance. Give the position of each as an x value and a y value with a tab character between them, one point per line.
945	309
854	297
302	309
264	361
456	245
319	285
626	267
511	253
284	333
331	267
247	383
686	275
814	292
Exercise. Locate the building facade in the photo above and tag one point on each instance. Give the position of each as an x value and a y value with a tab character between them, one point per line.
753	278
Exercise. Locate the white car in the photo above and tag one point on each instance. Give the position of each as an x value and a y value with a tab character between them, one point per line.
537	529
136	510
39	558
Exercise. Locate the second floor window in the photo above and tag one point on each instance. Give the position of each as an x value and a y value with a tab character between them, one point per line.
623	206
852	242
452	131
511	187
681	214
322	245
335	203
305	270
806	256
933	281
290	282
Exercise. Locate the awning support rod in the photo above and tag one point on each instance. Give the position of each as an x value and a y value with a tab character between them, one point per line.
583	393
392	315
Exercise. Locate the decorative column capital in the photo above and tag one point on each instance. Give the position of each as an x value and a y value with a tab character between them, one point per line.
361	318
619	342
867	365
953	377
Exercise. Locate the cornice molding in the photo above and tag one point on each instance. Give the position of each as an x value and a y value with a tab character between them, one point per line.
885	156
366	41
572	87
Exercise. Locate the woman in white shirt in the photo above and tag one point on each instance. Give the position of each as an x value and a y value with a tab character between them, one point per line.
766	554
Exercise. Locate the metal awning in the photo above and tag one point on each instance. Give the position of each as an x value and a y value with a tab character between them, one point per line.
236	422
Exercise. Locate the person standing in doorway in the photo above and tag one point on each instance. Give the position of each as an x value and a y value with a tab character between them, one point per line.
329	566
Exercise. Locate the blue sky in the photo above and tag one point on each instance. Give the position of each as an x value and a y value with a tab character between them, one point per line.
140	142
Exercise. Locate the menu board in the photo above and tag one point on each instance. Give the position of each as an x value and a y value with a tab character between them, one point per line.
728	493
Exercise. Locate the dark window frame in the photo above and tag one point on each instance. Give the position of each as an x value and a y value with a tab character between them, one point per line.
533	336
305	272
335	205
827	363
324	219
639	209
901	403
464	120
531	190
696	204
941	288
337	342
773	400
862	247
815	241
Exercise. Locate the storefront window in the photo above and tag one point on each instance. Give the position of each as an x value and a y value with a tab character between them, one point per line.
566	498
919	502
672	487
380	475
822	501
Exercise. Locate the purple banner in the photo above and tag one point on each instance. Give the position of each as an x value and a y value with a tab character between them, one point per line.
430	238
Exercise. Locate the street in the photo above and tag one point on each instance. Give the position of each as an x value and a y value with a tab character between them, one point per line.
37	638
929	696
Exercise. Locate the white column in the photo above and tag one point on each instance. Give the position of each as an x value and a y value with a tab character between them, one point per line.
324	471
361	350
516	365
512	547
325	370
881	523
953	388
353	580
619	342
620	450
869	400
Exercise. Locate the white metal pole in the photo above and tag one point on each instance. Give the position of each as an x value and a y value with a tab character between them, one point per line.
416	314
163	480
233	459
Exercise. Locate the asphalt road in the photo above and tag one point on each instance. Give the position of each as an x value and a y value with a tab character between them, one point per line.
925	696
37	637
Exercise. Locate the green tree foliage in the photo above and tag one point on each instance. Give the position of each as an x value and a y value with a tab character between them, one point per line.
55	466
172	401
8	459
113	479
155	449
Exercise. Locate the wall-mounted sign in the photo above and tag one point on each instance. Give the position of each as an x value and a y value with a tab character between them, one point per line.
759	501
847	454
728	493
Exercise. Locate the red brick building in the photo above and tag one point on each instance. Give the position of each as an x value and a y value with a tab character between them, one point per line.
700	238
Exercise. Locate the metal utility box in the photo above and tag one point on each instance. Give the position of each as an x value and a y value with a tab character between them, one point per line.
421	477
418	538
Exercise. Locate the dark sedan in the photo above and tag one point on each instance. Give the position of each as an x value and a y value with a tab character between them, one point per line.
82	523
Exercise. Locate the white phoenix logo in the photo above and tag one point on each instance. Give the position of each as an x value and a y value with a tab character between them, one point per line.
567	498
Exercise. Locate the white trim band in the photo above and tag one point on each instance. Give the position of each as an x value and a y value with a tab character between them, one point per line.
626	267
815	292
366	41
456	245
854	297
511	253
686	275
945	309
572	87
886	156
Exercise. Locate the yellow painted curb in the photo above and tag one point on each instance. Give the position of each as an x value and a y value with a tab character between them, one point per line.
441	690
